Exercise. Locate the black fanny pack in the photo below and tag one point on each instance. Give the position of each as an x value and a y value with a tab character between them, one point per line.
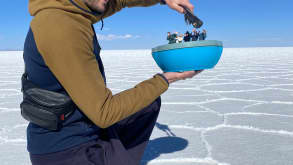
44	108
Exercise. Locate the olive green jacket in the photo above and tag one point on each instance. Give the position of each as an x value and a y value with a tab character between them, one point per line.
64	38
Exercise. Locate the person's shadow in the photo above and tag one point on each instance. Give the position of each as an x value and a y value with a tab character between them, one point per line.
163	145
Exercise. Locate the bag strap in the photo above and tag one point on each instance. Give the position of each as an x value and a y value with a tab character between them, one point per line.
26	84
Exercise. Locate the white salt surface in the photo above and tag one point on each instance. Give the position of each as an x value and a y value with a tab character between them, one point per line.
239	113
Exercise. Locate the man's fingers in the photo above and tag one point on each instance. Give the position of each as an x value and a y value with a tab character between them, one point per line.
177	8
198	71
188	5
188	74
175	76
177	5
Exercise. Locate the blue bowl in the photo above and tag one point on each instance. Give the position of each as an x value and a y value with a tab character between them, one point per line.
186	56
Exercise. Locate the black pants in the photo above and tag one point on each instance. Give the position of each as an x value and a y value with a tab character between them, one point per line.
121	144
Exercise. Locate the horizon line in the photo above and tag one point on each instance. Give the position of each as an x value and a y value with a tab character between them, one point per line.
151	48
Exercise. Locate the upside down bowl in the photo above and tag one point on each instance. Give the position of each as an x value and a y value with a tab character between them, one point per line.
187	56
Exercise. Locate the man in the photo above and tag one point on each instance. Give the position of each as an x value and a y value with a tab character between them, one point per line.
203	35
171	38
186	36
61	54
194	35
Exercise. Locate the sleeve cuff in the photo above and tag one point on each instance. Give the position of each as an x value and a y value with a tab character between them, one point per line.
159	74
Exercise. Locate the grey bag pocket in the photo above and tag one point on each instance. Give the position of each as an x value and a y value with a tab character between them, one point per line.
44	108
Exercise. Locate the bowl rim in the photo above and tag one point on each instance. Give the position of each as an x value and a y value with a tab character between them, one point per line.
188	45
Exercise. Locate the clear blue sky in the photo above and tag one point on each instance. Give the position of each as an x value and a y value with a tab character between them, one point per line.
238	23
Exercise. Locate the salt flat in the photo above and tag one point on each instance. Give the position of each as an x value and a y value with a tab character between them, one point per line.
239	113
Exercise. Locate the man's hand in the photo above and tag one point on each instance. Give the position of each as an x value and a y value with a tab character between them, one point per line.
175	4
175	76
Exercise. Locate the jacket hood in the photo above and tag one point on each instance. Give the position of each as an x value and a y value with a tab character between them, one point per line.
75	6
